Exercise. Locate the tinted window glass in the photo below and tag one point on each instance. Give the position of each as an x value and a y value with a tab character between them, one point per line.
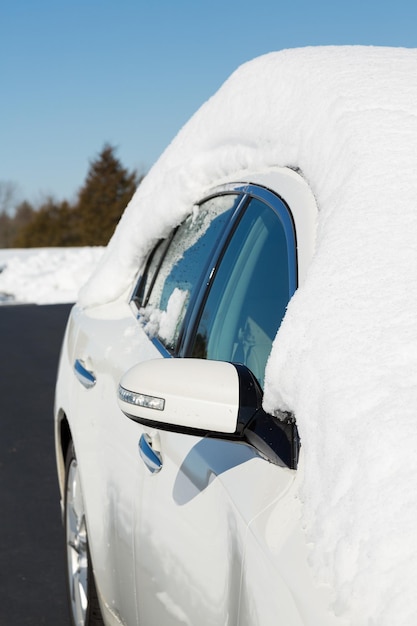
182	267
249	294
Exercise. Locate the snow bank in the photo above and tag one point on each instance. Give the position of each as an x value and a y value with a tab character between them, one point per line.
345	357
45	276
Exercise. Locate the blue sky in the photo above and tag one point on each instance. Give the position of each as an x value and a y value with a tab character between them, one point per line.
76	74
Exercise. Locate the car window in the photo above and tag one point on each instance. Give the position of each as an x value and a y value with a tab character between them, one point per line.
154	261
182	267
249	293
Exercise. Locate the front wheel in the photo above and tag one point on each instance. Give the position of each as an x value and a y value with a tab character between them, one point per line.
82	594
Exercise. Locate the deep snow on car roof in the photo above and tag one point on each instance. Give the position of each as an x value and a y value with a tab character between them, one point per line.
345	357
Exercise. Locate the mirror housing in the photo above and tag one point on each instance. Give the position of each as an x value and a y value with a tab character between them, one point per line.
194	396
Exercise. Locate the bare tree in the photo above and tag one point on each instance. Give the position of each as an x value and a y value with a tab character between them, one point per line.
9	192
12	214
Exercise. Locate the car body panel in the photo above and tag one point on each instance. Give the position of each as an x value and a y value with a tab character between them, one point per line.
197	514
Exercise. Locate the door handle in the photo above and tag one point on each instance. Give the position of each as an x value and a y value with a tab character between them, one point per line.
152	458
84	375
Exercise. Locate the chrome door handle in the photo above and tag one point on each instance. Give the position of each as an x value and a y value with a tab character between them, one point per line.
85	376
152	458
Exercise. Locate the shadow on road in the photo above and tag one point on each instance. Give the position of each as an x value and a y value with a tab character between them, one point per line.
32	588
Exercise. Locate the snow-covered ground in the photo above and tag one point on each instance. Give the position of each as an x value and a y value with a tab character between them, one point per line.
45	275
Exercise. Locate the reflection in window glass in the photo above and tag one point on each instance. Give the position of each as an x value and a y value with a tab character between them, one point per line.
249	294
183	265
152	265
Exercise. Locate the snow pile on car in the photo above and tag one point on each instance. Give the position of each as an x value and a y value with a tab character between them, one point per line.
345	358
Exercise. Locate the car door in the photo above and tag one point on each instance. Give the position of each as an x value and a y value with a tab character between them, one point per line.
108	340
201	494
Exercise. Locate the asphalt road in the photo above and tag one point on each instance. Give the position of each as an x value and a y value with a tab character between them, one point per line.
32	583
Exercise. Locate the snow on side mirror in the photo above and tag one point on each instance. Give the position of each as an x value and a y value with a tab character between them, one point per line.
194	396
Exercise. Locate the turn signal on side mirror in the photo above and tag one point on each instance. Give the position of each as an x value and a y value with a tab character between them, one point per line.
140	399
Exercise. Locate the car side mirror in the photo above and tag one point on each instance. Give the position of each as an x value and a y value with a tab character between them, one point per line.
194	396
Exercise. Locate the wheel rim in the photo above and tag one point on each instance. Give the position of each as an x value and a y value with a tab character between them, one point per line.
77	548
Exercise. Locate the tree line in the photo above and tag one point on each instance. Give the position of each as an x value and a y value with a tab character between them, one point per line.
89	221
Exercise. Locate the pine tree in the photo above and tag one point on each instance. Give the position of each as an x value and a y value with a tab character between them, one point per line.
103	198
5	227
50	225
11	225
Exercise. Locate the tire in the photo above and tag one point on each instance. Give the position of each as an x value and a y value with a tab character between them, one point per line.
81	589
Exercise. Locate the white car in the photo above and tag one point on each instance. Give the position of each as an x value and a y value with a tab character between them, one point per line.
189	371
170	466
